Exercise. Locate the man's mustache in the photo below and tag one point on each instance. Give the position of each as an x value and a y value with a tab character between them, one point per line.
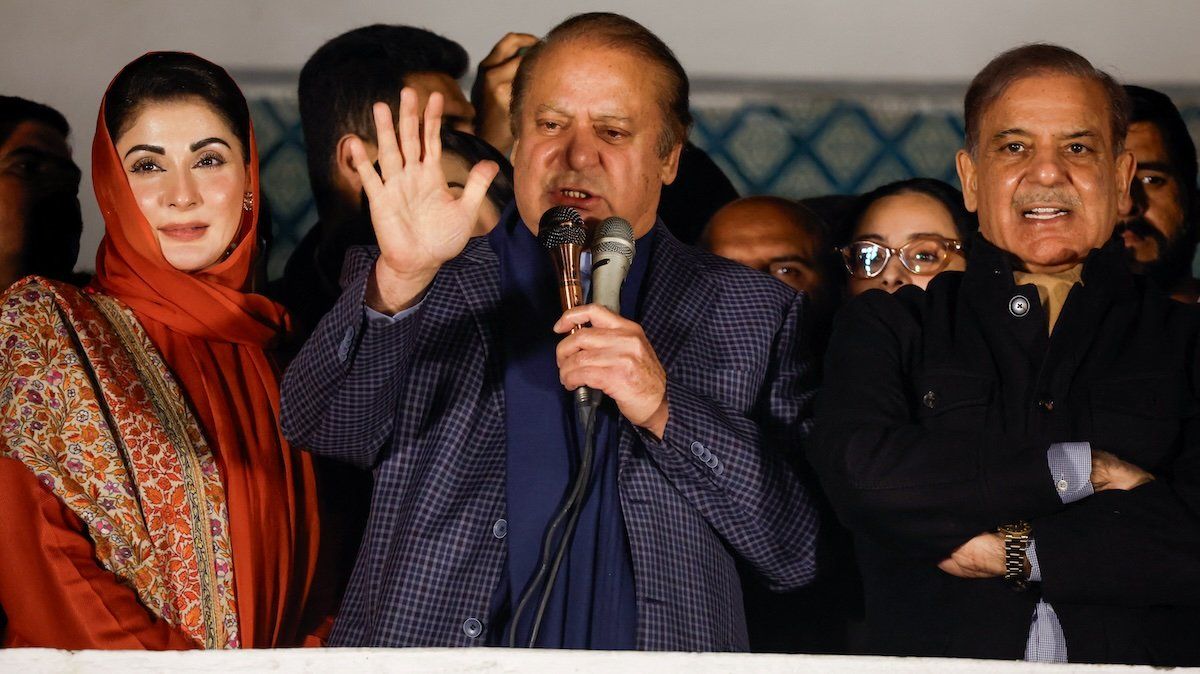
1142	228
1056	197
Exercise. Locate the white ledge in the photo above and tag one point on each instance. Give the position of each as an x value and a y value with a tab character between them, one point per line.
503	661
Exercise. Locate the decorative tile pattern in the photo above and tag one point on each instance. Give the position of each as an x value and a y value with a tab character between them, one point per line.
770	138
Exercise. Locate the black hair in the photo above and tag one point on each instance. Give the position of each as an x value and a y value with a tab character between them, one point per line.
965	222
1038	59
474	150
15	110
346	75
1155	107
175	76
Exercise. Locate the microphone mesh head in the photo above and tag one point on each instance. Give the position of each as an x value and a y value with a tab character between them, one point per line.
614	235
559	225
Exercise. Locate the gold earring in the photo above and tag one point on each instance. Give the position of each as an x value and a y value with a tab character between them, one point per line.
248	202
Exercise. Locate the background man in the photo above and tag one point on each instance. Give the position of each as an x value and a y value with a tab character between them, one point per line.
774	235
787	240
40	222
338	84
455	387
1159	227
1029	424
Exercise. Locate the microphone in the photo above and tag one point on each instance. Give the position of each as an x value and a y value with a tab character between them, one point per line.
612	253
562	233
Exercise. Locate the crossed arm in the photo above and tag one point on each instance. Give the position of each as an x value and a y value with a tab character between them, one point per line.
941	494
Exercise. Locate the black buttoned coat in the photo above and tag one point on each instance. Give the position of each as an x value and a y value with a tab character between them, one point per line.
933	426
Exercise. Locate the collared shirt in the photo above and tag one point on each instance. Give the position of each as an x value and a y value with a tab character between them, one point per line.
593	604
1052	289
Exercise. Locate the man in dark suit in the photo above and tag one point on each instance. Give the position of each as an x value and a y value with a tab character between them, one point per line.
445	367
1159	228
1017	448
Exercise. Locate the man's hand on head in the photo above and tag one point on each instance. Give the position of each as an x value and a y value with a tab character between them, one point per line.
615	357
980	557
418	222
492	92
1109	472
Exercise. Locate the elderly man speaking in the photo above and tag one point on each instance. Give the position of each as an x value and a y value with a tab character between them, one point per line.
457	395
1017	448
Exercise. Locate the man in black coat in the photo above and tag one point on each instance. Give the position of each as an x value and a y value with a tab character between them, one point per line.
1017	448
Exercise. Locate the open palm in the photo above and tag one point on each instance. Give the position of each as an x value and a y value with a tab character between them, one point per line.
418	222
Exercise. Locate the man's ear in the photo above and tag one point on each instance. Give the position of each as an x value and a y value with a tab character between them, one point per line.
1126	168
344	174
670	165
966	175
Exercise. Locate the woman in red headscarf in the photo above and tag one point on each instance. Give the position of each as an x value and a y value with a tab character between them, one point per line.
147	496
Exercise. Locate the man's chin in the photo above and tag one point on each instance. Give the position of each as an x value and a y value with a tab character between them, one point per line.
1053	259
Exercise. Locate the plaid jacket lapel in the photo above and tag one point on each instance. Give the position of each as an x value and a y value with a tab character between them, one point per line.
675	296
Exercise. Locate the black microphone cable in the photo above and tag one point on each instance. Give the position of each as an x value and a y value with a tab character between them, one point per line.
585	478
570	508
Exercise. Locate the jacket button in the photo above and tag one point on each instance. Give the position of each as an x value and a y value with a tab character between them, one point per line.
1018	306
929	400
698	449
472	627
500	528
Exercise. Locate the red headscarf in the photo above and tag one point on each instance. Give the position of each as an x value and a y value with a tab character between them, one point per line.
214	335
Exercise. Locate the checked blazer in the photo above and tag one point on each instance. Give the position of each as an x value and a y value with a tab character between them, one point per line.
421	402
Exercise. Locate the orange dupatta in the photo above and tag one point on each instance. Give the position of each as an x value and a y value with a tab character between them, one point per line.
214	336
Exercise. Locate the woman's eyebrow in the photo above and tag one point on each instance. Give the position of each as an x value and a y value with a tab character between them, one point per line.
201	143
148	148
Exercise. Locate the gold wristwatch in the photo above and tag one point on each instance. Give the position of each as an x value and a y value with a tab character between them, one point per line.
1016	542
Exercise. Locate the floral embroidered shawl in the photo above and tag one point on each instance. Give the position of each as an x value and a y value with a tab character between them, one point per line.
87	404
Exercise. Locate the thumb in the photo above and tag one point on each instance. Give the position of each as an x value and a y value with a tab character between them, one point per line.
481	177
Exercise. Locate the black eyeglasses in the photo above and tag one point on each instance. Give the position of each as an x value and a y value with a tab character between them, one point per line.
923	255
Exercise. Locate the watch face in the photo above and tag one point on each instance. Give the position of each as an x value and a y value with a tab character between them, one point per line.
1016	529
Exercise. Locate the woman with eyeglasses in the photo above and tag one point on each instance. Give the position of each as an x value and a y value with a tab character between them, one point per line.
905	233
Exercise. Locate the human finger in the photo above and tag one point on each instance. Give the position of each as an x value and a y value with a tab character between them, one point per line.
433	127
591	339
507	47
390	159
371	181
596	314
593	373
410	139
504	72
478	181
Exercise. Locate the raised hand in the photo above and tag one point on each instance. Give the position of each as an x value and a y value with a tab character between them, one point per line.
492	93
418	222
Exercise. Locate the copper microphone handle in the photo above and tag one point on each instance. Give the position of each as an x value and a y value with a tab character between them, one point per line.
570	290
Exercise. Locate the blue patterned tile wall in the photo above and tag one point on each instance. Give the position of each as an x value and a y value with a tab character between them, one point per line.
786	139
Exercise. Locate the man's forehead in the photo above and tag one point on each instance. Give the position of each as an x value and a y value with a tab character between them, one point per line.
556	78
34	134
1057	102
759	224
1146	142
